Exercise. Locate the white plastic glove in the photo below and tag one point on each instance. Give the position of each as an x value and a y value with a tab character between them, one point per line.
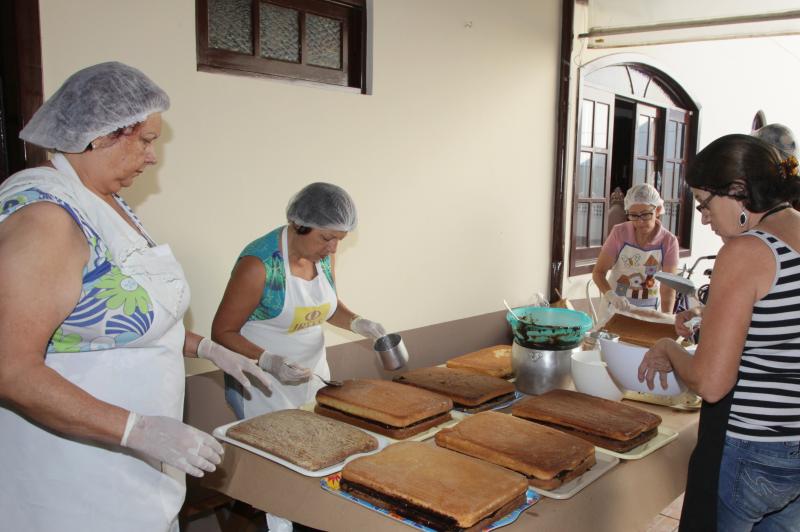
282	370
231	362
172	442
365	327
618	302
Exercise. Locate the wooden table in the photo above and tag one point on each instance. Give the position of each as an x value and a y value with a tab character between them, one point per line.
624	499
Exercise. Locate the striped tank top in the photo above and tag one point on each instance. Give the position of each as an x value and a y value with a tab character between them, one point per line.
766	398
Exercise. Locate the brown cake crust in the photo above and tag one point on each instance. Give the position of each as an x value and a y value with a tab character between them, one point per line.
303	438
386	402
546	456
494	361
464	387
608	443
439	481
397	433
639	332
588	414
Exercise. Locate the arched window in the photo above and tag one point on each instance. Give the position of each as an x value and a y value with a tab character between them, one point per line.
635	125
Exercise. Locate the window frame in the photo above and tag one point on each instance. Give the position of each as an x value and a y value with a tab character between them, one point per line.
582	260
352	14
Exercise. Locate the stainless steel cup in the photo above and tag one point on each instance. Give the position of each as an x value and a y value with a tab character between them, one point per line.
391	350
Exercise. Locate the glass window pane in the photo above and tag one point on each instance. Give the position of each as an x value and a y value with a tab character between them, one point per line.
676	209
596	225
583	174
642	132
639	168
581	219
666	186
669	139
651	173
280	33
324	41
229	25
677	181
601	125
651	139
586	123
599	175
679	141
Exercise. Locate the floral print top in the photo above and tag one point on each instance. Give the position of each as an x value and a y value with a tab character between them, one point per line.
113	309
267	249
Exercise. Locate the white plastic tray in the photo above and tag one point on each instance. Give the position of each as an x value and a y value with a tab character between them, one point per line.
664	436
565	491
221	434
422	436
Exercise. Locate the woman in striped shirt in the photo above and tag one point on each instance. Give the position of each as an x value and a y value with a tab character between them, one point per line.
744	473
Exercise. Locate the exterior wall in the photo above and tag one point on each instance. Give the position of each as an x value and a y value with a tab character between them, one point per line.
730	80
450	160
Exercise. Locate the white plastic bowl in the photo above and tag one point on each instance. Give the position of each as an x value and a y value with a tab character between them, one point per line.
591	377
623	364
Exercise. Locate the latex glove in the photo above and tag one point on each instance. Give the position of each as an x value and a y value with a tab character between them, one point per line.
365	327
172	442
282	370
618	302
231	362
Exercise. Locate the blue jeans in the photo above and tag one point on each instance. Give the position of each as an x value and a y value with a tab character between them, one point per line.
759	486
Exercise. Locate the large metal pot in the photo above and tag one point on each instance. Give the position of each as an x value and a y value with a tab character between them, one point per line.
541	370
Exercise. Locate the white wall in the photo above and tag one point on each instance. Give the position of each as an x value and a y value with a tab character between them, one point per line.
450	160
730	80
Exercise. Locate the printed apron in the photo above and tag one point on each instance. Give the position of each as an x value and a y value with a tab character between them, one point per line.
76	486
633	275
296	333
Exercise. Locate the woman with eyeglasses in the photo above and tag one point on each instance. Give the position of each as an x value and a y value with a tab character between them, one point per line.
634	252
744	473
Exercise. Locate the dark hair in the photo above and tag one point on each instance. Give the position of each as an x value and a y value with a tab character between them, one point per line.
746	168
301	229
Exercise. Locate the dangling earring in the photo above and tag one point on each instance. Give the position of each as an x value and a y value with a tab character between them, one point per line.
742	219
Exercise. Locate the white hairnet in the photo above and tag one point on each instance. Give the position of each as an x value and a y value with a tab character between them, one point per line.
643	194
91	103
780	137
323	206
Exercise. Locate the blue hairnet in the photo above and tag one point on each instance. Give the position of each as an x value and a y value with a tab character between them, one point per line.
323	206
91	103
779	137
642	194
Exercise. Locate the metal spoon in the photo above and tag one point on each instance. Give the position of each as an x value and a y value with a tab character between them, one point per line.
333	383
511	311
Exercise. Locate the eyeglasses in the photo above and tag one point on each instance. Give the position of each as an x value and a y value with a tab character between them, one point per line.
644	216
703	205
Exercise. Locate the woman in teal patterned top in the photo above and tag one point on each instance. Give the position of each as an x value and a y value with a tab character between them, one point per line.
91	333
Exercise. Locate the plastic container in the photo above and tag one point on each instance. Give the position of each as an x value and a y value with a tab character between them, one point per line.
548	327
590	376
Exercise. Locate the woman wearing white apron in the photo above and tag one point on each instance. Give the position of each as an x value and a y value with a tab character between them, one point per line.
634	252
91	339
280	292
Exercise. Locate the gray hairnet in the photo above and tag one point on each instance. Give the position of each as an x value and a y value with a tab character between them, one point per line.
779	137
644	194
91	103
323	206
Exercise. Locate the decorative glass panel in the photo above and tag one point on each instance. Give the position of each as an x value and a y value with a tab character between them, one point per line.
639	80
676	187
229	25
596	225
586	123
639	170
599	175
673	226
583	174
669	139
642	133
324	41
581	219
280	33
666	186
601	125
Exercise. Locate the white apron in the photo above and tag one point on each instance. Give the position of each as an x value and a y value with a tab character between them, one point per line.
296	333
633	275
49	482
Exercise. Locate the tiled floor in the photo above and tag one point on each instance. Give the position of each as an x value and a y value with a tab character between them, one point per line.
668	519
